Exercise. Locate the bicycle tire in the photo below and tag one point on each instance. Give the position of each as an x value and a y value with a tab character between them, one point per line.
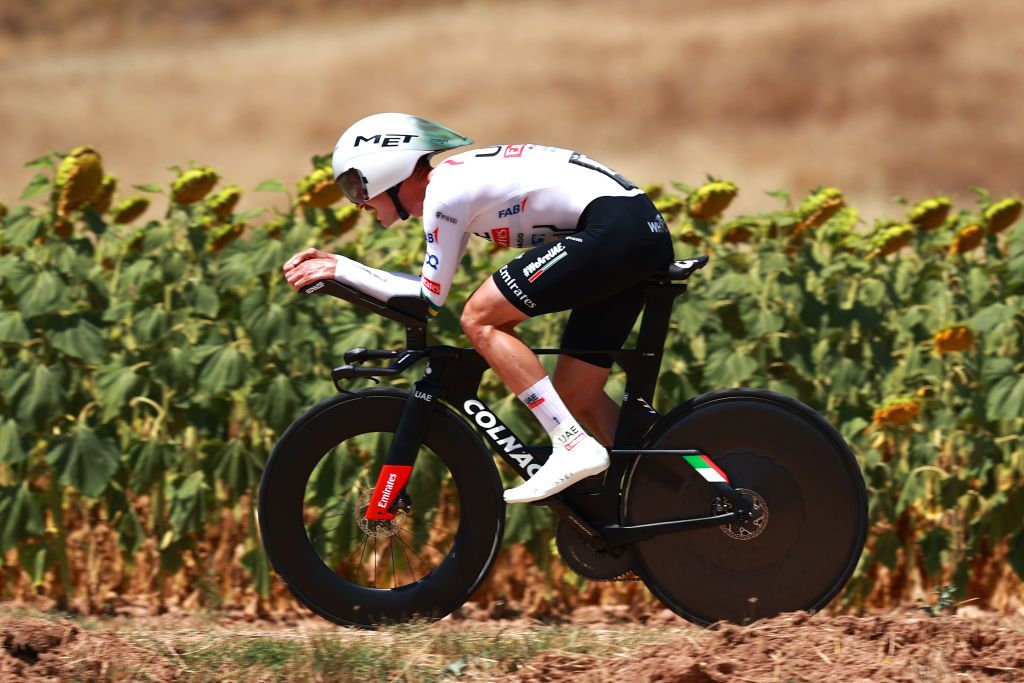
283	492
811	485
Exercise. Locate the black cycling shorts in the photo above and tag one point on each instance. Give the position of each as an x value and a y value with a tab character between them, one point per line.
596	272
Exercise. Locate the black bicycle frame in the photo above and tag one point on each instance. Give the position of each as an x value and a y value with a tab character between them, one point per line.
453	375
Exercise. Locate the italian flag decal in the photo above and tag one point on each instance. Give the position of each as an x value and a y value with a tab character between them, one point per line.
706	468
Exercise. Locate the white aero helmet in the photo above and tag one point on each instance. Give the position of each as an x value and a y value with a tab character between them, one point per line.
380	151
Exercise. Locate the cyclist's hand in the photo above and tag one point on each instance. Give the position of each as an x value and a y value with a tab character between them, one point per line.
308	266
301	256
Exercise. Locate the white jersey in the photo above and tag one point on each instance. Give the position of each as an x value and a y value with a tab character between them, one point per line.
513	195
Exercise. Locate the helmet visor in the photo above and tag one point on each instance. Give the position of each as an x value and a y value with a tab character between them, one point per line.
353	184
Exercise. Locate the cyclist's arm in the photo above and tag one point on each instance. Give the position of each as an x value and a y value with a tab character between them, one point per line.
379	284
444	228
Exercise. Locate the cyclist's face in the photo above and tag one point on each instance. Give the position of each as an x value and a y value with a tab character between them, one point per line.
411	194
382	207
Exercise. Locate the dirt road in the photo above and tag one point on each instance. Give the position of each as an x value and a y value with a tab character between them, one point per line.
594	645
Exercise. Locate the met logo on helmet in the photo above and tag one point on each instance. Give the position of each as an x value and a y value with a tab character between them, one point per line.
386	140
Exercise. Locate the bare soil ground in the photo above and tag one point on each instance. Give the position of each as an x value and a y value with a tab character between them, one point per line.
600	644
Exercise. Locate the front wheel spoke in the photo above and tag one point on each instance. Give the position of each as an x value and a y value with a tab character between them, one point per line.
344	513
423	541
362	556
394	575
408	561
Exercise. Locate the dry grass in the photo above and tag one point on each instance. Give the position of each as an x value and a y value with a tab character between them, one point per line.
875	97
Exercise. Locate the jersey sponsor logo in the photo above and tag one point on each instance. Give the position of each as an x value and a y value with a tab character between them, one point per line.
385	139
514	287
657	225
535	268
431	286
534	240
432	236
514	209
500	236
574	238
534	400
514	151
494	429
432	260
423	396
446	217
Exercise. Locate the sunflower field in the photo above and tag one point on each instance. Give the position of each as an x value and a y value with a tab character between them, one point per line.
150	361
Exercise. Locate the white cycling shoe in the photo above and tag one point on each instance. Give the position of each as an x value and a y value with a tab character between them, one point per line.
563	469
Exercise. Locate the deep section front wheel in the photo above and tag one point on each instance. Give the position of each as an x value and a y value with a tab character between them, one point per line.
426	561
808	527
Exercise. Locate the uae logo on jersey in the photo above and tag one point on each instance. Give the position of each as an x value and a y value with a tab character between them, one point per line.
500	236
535	268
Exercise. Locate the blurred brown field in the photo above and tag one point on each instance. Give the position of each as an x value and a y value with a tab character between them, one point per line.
877	98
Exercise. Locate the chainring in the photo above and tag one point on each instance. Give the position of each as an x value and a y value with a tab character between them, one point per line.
587	561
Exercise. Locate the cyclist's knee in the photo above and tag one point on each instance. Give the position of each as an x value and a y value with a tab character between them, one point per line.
472	320
477	323
480	316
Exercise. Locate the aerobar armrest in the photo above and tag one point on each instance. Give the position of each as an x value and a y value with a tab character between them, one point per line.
409	310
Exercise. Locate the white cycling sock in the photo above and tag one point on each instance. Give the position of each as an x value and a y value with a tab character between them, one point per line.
546	405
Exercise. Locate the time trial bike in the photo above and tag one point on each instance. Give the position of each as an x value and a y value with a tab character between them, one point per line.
381	505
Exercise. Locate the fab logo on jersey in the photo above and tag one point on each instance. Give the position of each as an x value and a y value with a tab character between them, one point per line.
513	210
432	236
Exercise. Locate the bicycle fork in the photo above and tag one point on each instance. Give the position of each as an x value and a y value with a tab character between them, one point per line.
402	452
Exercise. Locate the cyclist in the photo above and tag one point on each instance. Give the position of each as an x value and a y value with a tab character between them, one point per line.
590	236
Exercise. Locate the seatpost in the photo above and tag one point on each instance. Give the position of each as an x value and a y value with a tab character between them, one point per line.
642	369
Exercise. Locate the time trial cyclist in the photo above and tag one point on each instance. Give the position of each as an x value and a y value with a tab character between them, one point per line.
590	237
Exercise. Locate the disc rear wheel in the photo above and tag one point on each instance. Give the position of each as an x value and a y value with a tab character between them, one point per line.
807	531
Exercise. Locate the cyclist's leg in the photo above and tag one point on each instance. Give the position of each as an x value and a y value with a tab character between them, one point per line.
622	240
601	325
582	386
489	321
